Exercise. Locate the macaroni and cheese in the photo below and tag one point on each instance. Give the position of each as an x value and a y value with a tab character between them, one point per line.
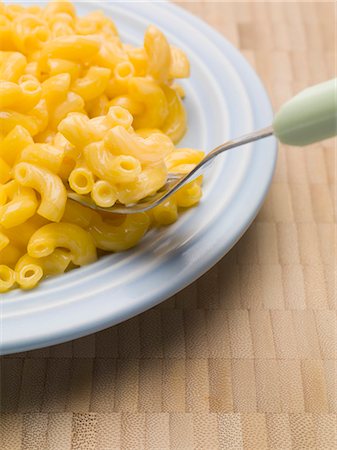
79	109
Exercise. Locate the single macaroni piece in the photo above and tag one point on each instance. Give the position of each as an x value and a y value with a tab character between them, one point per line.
66	235
28	272
180	65
48	185
76	48
117	237
103	194
81	179
159	54
82	111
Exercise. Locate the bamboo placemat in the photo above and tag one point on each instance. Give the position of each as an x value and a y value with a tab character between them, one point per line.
244	358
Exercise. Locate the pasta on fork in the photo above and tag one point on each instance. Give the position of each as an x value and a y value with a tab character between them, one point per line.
79	109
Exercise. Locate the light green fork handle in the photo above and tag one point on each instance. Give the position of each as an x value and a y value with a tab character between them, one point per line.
309	117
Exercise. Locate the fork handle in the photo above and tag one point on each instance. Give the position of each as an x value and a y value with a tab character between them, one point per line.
309	117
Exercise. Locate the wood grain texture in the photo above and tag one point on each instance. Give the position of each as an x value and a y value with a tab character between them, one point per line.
244	358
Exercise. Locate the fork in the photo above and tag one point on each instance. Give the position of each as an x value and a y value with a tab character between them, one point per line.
309	117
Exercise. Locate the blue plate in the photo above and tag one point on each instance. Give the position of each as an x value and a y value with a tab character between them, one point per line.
224	99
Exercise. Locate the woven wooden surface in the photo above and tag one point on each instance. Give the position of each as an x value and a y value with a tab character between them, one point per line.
245	357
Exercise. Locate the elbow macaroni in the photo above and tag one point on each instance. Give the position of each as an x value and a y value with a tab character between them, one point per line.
80	109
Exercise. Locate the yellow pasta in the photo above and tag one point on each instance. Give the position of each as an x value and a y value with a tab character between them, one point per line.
98	106
10	255
175	123
55	89
7	278
5	171
148	182
133	106
78	215
19	235
66	235
19	208
4	241
57	66
154	101
93	84
103	194
110	52
189	194
78	130
81	110
56	263
139	59
12	64
166	213
81	179
29	32
72	103
48	185
115	238
9	119
75	48
152	149
28	272
180	66
53	8
30	93
6	34
10	94
183	160
45	155
16	140
159	54
33	69
7	191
